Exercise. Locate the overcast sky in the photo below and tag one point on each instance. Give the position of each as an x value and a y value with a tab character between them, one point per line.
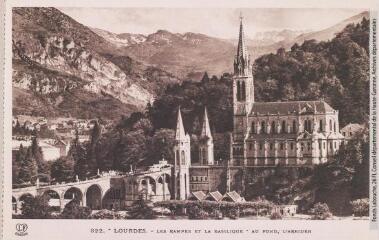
214	22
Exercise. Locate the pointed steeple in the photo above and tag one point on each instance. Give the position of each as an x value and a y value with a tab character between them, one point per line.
241	49
242	65
206	130
180	133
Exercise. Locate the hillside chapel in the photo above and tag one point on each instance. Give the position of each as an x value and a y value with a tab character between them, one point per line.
265	134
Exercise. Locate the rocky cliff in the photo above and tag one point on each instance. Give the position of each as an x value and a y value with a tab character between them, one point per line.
54	56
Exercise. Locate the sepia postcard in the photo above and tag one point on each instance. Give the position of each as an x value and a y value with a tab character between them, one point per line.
189	120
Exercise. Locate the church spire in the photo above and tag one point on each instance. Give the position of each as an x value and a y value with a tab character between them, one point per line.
241	49
206	130
242	65
180	133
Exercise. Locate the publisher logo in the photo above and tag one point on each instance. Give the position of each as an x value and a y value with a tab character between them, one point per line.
21	229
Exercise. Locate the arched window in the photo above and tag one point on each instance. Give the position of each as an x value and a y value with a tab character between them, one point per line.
305	125
330	125
283	126
294	130
204	155
238	91
263	127
334	126
177	156
273	130
253	128
309	126
183	158
243	91
321	126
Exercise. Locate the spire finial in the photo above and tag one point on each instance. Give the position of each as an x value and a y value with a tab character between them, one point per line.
180	133
241	16
206	130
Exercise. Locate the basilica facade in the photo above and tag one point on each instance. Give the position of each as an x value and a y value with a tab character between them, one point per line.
265	134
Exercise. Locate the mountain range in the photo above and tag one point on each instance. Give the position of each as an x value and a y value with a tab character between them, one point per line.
64	68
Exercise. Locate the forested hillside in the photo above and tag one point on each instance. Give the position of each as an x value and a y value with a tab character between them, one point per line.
336	71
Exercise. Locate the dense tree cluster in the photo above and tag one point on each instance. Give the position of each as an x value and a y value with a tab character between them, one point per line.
28	164
336	71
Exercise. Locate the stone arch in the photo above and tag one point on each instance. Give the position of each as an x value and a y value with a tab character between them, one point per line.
73	193
55	198
164	185
94	196
151	185
112	199
24	196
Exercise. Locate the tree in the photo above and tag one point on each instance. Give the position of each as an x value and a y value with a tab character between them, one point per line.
320	211
141	210
161	146
36	207
205	78
62	170
17	162
92	161
79	154
73	210
360	207
28	167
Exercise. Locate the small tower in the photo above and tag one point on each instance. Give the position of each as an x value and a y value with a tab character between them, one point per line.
243	88
206	155
182	150
243	97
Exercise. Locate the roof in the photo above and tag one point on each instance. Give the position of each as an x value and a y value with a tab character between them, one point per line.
284	108
352	127
234	196
199	195
179	133
216	196
206	130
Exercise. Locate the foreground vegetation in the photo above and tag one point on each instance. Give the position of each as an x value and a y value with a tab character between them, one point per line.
38	208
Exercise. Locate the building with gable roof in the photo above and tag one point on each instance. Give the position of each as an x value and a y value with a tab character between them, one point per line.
271	133
291	134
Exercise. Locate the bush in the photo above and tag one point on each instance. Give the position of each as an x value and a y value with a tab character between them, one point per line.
320	211
249	212
73	210
360	207
36	207
197	213
106	214
234	213
141	210
275	216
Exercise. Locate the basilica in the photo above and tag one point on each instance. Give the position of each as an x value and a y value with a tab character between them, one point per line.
265	134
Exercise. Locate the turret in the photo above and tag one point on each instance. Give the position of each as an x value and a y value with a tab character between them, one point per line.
206	148
182	150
